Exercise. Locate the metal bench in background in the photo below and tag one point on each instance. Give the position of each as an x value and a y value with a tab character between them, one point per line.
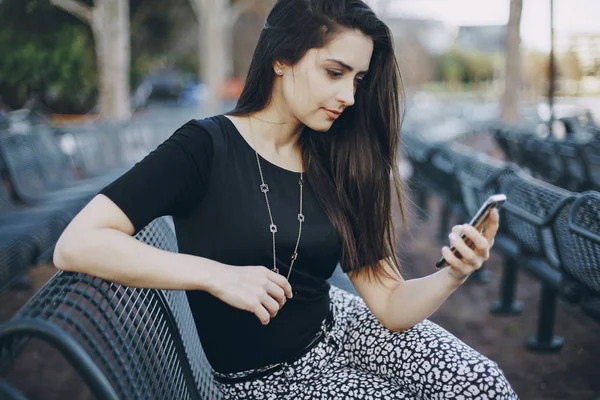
578	241
527	240
50	175
440	175
417	150
550	232
572	163
480	177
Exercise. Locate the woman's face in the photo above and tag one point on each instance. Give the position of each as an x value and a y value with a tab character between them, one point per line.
326	79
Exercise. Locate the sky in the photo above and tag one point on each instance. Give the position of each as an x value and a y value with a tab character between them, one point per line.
570	16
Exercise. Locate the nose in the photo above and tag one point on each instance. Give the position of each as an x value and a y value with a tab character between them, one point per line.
346	94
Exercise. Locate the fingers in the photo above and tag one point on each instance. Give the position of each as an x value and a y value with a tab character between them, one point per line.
261	312
276	292
477	240
466	254
271	305
266	309
282	282
454	262
492	227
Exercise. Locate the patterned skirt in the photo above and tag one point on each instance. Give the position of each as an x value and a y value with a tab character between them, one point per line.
360	359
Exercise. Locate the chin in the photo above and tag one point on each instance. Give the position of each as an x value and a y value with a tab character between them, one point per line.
319	126
322	128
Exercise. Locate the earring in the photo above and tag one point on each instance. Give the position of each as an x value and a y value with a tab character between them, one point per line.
279	72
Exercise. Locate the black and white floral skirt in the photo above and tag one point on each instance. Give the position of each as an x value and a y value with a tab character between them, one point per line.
360	359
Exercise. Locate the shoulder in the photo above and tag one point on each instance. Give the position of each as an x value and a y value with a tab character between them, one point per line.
192	131
220	129
193	137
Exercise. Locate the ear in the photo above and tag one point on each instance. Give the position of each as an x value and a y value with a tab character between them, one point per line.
278	68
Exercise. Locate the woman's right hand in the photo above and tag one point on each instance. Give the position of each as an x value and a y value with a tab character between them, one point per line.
252	288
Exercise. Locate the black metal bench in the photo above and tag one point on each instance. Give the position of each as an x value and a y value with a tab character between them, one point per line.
578	241
528	240
418	150
8	392
551	233
440	176
127	343
573	164
480	177
44	187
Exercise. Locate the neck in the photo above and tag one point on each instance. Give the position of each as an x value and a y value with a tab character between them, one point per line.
274	130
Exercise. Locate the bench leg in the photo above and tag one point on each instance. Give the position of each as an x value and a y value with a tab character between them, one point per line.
507	305
480	277
545	340
444	224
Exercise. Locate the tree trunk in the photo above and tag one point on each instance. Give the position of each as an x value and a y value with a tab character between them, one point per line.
216	19
512	82
211	16
214	42
110	25
109	20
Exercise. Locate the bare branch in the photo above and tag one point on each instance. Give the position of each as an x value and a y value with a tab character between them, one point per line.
75	8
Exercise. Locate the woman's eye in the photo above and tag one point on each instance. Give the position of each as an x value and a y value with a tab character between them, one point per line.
334	74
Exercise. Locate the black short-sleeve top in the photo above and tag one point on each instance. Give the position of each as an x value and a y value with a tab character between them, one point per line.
206	176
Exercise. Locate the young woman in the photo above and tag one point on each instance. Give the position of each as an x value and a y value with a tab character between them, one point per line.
267	200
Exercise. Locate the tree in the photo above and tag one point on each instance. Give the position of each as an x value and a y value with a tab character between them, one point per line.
46	58
109	21
570	68
510	100
216	19
535	74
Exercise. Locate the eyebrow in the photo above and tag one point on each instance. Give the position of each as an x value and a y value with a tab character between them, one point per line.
345	66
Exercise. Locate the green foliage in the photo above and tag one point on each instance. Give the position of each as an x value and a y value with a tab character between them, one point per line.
457	67
47	56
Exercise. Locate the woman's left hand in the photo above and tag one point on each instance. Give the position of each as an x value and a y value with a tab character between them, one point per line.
472	258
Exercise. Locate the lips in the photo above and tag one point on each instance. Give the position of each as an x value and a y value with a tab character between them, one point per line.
332	114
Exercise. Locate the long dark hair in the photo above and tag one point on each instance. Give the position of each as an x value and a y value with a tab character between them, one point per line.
355	163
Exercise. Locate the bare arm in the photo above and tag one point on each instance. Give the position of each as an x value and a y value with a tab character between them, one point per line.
99	242
417	299
399	305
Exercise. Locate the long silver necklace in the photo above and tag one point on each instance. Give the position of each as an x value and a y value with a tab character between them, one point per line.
264	188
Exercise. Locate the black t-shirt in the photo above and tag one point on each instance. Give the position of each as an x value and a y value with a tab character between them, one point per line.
208	180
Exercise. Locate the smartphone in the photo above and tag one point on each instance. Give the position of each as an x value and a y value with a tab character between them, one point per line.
479	221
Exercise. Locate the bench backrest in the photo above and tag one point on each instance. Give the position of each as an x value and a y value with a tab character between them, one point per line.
579	240
529	213
126	342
